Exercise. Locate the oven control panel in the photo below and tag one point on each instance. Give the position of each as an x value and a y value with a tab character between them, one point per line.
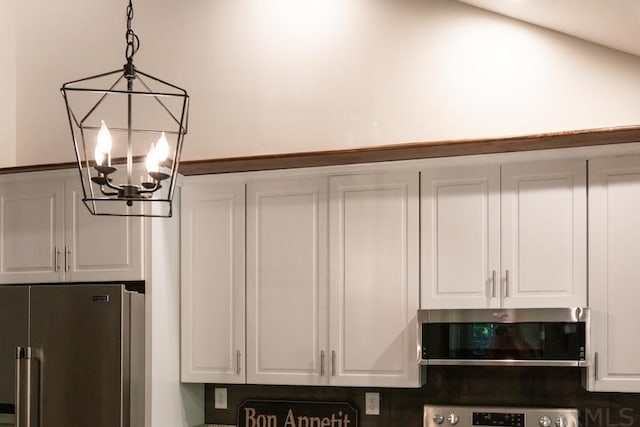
470	416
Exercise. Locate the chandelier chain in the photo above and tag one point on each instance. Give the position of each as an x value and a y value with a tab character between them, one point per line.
133	42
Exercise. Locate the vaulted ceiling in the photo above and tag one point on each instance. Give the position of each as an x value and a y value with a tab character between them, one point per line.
611	23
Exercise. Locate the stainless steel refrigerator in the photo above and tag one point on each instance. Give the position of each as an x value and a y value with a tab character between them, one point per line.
71	356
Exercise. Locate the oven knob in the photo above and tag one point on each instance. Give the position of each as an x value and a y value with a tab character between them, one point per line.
544	421
438	418
562	422
453	419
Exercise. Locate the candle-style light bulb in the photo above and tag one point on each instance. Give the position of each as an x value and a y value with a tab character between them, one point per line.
151	162
162	148
98	155
104	144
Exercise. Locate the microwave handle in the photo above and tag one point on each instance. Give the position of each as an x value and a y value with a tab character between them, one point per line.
595	366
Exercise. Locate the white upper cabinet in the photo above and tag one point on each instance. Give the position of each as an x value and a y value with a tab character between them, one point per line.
614	273
332	280
48	235
461	237
100	247
374	283
287	281
544	234
32	230
213	283
505	236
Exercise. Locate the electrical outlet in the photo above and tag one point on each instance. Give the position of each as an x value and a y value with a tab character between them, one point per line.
220	396
372	403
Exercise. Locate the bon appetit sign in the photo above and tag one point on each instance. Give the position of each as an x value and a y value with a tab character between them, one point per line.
280	413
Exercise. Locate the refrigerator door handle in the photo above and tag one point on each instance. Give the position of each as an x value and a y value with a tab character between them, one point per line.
18	371
27	387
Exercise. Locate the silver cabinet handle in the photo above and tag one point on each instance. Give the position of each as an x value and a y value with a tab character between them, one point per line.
506	283
595	366
493	284
333	363
27	387
322	363
18	371
67	259
56	254
238	357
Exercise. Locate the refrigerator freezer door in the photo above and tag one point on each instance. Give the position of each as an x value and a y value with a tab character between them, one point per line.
76	338
14	332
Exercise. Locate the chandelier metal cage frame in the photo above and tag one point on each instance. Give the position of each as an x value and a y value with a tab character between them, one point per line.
147	194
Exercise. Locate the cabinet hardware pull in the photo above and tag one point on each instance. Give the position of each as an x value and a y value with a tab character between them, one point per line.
333	363
67	259
18	371
56	254
322	363
506	283
238	356
27	387
493	284
595	366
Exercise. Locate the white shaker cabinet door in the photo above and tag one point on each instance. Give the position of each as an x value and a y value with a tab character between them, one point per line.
31	230
614	274
213	290
105	248
544	248
287	281
374	289
460	233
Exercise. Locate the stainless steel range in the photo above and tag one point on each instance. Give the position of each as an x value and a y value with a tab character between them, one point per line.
471	416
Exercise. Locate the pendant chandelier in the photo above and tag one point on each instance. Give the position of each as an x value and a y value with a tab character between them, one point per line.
128	164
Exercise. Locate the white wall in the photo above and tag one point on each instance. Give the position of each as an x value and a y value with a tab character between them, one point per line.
295	75
169	403
7	83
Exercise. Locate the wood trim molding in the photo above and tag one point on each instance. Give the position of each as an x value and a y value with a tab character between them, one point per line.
406	151
417	150
57	166
38	168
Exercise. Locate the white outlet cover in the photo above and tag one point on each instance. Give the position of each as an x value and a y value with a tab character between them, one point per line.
220	396
372	403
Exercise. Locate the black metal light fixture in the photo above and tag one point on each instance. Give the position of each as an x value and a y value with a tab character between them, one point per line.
128	165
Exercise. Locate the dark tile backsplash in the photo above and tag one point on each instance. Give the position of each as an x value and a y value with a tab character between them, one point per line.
487	386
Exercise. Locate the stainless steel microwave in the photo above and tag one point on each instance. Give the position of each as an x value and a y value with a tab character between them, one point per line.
504	337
